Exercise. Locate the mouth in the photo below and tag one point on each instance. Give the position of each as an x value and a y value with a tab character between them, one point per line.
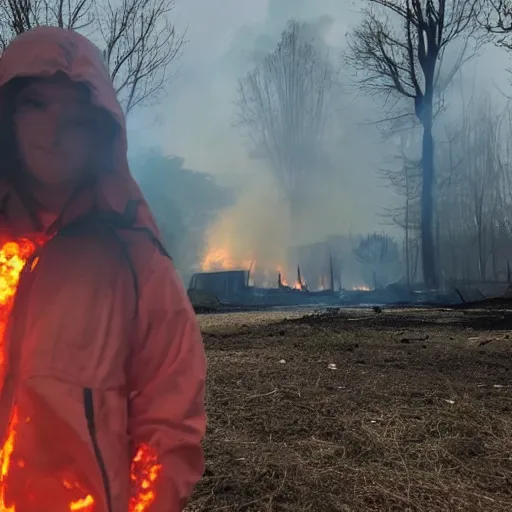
54	154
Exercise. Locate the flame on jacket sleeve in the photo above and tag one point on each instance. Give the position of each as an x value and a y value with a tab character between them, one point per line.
144	472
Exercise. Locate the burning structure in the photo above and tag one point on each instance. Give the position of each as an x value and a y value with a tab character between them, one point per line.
221	261
319	266
324	273
234	288
227	279
273	268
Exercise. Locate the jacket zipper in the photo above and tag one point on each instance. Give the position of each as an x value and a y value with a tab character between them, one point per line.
91	427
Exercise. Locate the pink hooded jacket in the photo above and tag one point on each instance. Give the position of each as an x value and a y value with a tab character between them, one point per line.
102	368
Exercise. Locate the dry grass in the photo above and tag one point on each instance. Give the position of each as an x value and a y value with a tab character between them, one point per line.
219	322
416	417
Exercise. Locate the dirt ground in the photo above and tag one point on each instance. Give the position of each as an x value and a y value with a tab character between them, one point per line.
405	410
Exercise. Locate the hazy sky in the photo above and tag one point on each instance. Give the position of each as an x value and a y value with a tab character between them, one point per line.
195	119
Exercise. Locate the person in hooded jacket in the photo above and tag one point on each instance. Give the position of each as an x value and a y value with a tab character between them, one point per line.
102	367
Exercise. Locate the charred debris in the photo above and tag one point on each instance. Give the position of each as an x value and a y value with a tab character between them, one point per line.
228	290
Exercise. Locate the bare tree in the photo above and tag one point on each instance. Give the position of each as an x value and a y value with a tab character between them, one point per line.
398	50
497	19
140	43
379	257
282	106
473	193
138	39
17	16
481	147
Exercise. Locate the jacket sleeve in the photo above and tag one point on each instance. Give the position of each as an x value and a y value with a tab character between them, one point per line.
167	380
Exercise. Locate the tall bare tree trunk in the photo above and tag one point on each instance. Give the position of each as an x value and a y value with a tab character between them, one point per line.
428	253
405	62
407	254
407	248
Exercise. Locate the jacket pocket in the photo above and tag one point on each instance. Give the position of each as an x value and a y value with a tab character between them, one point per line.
91	428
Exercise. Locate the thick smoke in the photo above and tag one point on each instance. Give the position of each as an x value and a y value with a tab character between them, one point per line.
343	201
227	38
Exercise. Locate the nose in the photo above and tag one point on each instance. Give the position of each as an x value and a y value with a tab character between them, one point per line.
55	125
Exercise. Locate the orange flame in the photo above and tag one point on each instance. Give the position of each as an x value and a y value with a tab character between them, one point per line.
83	505
144	472
281	273
13	256
219	259
5	460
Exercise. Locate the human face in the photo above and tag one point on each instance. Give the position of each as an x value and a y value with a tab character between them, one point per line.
55	131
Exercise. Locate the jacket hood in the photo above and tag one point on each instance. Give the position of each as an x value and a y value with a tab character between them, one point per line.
45	51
